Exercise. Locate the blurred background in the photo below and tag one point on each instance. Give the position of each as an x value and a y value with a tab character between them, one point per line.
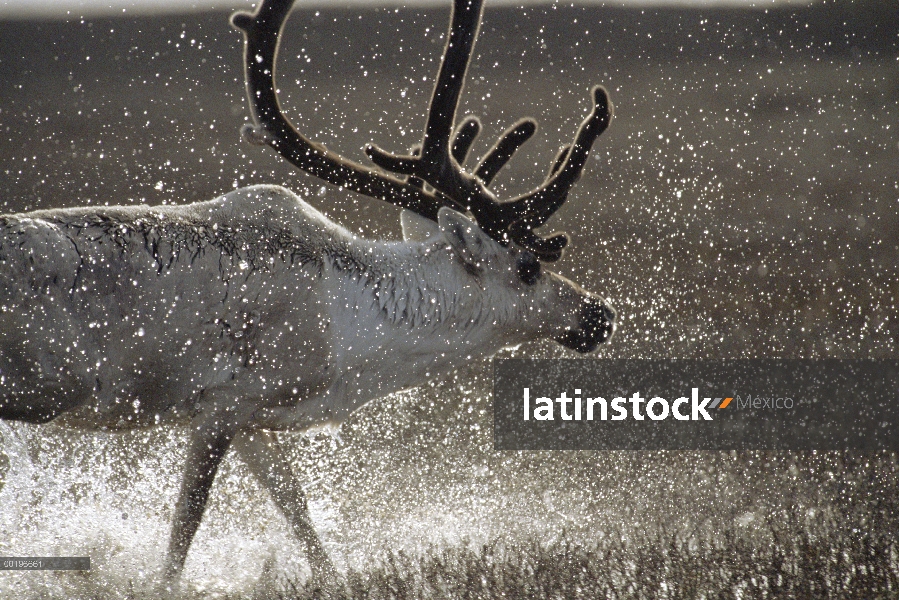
742	204
95	8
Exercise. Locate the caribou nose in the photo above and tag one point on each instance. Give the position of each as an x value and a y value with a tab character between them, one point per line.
596	324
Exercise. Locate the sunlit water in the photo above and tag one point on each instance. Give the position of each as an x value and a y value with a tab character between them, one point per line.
388	483
110	497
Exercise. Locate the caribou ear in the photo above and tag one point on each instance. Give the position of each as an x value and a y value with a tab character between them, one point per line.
465	237
417	228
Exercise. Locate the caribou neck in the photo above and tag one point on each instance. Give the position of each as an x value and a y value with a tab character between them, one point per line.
411	293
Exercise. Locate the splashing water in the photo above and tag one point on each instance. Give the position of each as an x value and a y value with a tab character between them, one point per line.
110	497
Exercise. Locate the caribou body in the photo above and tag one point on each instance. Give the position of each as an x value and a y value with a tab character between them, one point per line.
256	304
253	313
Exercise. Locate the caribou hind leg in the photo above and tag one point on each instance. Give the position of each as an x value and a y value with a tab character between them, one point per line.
262	453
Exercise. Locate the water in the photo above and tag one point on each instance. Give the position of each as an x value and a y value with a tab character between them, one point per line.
110	497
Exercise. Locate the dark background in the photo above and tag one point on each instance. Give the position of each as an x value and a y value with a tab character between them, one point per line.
742	204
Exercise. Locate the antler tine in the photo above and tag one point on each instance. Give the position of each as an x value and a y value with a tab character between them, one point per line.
546	249
540	204
566	168
434	165
464	137
261	31
504	149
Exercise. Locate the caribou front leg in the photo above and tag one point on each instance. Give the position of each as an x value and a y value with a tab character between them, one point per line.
262	453
212	432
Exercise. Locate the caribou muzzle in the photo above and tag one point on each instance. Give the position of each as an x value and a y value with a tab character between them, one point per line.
596	324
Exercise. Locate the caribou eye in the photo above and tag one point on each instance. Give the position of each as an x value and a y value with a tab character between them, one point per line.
528	268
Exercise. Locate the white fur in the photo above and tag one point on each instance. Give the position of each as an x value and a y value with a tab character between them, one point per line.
349	321
249	311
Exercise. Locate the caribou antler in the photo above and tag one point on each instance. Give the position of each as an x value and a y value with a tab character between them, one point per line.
432	174
262	31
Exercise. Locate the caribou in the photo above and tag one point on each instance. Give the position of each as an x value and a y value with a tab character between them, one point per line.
253	313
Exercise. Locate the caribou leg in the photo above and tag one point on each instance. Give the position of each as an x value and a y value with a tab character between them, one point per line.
211	434
262	453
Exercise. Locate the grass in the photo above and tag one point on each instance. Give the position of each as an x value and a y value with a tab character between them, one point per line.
786	560
833	536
